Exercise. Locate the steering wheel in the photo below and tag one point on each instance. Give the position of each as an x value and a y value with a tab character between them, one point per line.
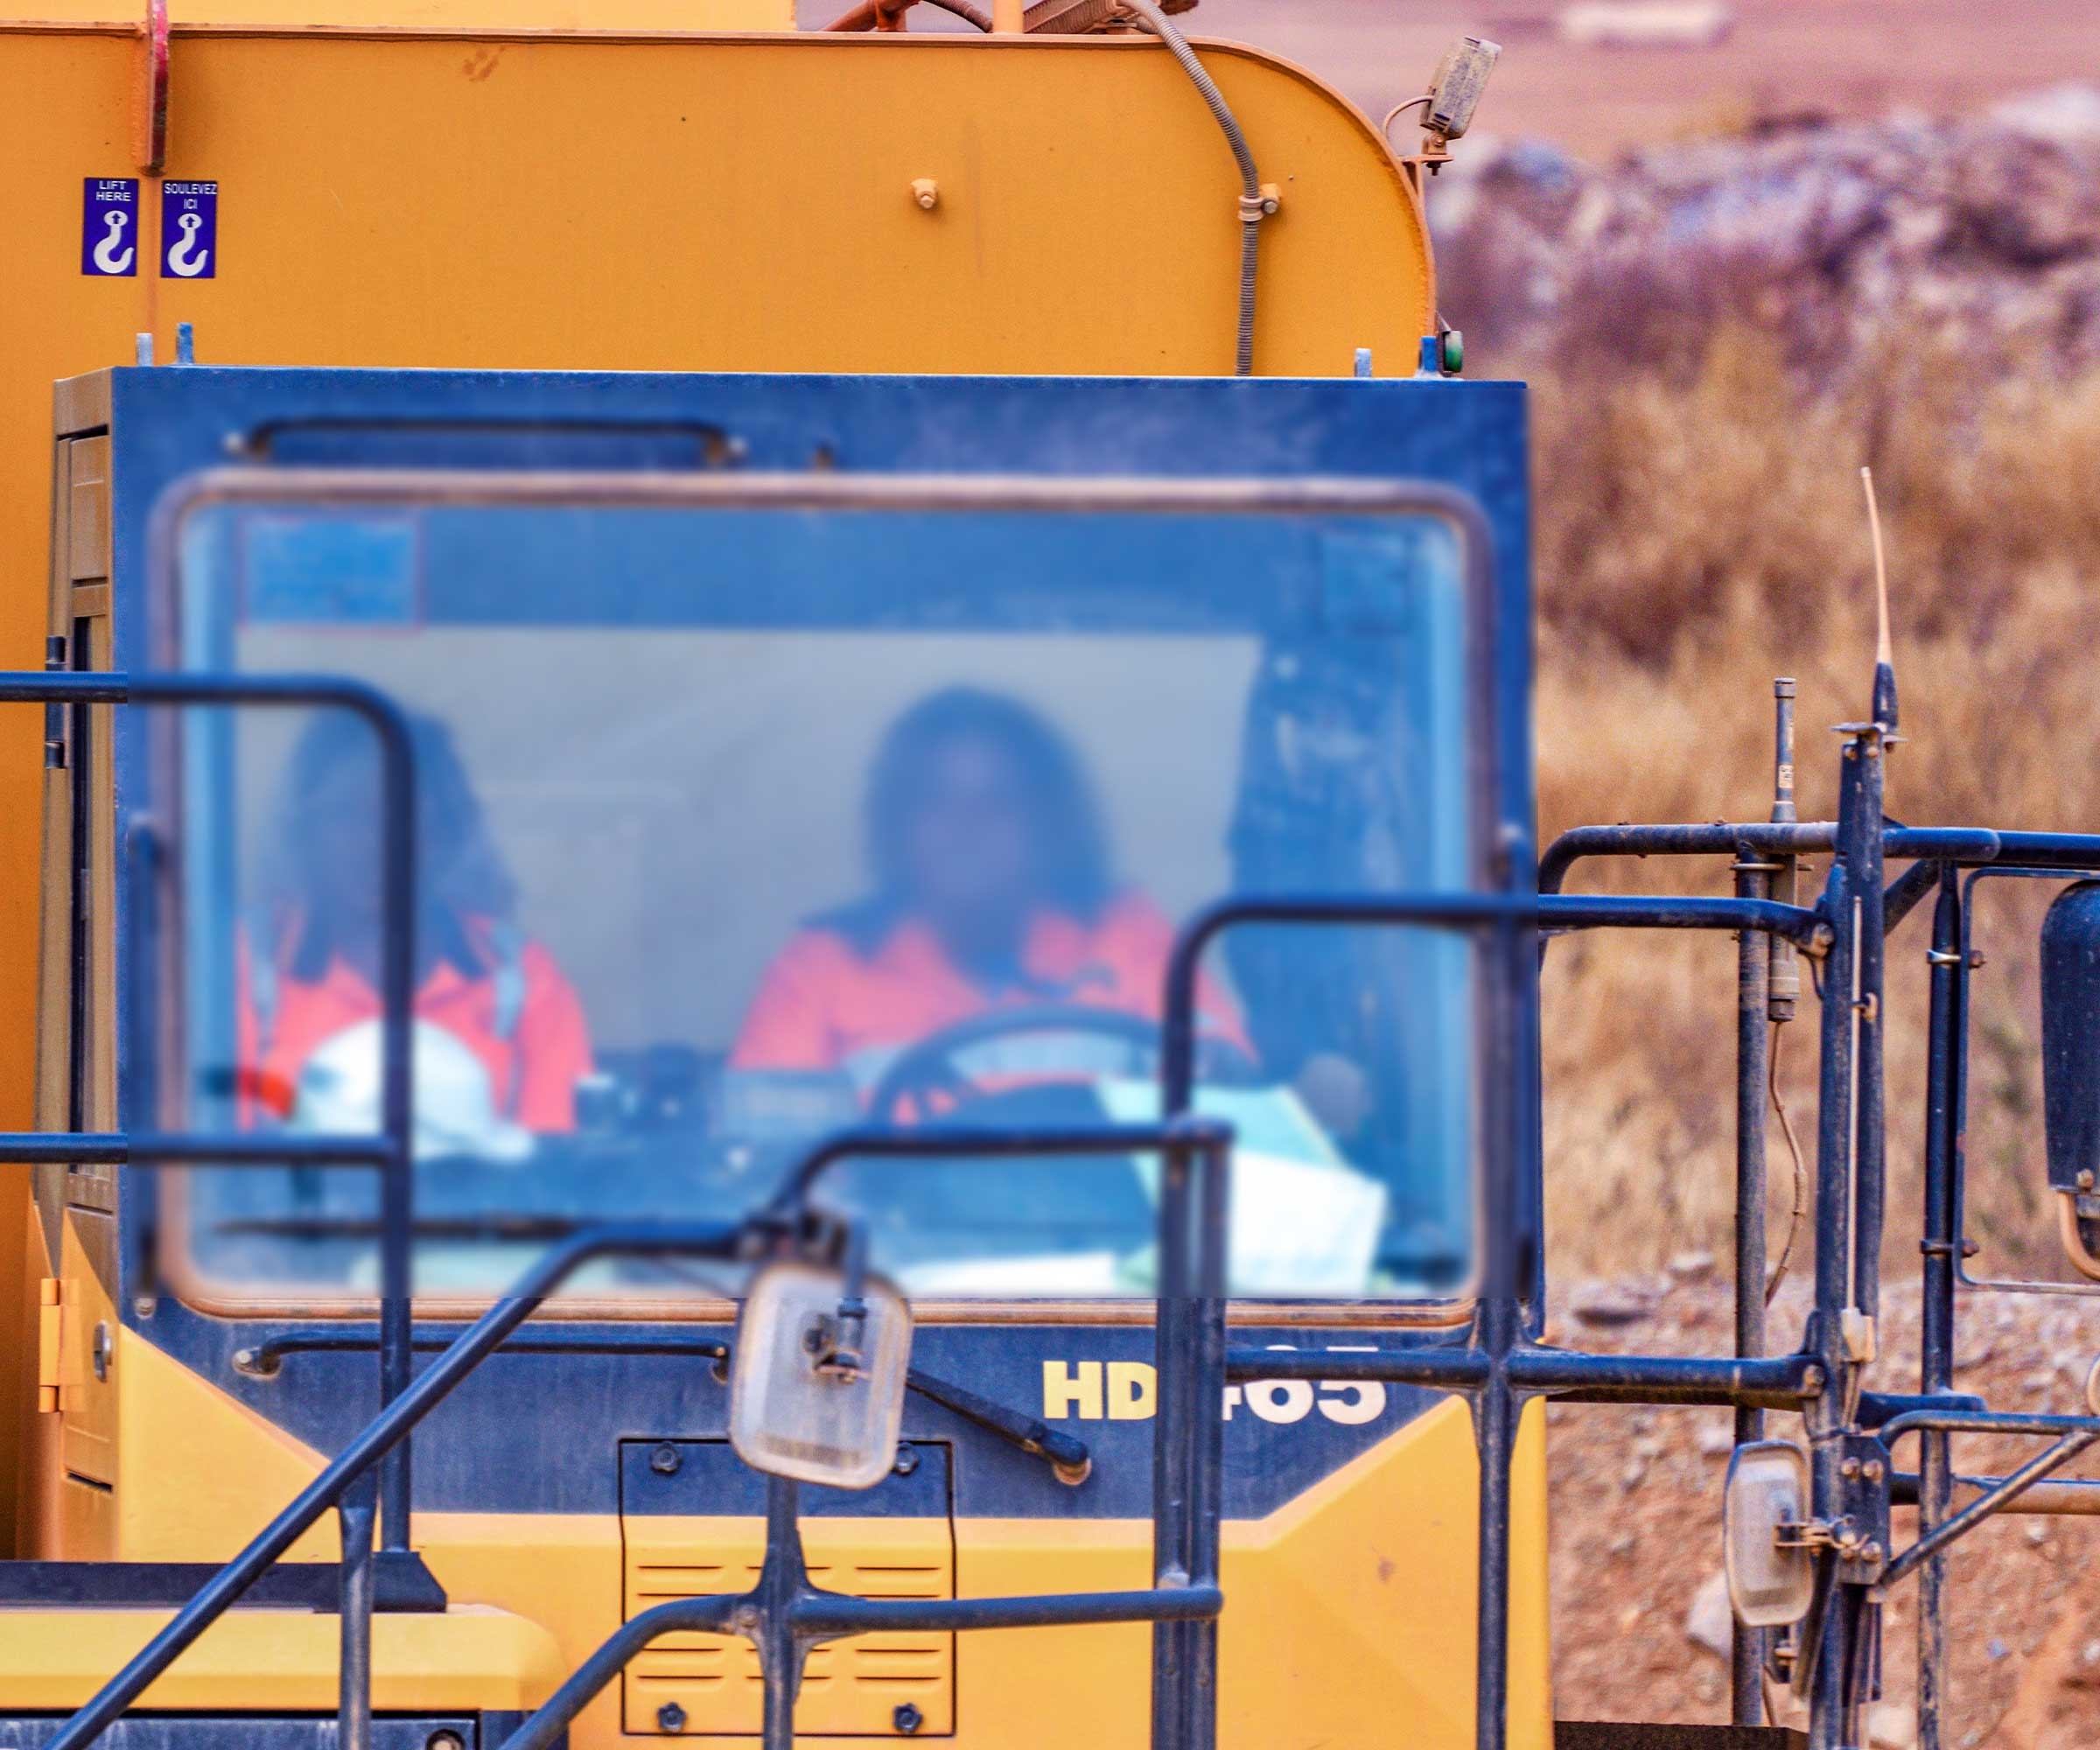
928	1067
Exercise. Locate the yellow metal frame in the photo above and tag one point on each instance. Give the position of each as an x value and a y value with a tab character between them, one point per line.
1363	1586
629	201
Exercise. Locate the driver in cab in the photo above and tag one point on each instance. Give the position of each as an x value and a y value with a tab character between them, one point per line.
990	889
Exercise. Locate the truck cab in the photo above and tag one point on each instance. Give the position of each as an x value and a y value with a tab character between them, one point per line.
868	779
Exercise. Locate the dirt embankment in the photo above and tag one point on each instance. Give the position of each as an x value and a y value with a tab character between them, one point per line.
1718	334
1641	1617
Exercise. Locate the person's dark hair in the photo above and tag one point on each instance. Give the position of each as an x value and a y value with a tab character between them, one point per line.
1073	873
461	874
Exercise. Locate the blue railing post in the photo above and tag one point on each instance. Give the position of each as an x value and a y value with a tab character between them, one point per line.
355	1513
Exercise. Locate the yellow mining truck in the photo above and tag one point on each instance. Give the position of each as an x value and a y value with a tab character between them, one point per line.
770	970
631	244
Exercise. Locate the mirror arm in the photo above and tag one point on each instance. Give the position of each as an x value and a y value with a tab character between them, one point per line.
2008	1490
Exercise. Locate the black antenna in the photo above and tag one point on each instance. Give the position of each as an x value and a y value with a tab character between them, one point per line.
1884	654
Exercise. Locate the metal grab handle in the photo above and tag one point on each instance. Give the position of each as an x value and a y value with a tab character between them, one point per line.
783	1615
2068	1230
354	1703
835	1616
390	726
368	1447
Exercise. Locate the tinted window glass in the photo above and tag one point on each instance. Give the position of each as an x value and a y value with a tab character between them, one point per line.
741	824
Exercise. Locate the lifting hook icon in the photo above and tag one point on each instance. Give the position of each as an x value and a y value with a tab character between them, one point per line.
185	259
107	256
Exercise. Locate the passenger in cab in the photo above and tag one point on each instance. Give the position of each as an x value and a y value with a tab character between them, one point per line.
501	1036
990	886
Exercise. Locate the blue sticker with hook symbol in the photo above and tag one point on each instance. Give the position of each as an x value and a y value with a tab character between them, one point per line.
189	230
110	226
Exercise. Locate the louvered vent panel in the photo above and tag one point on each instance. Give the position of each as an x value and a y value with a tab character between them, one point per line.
850	1688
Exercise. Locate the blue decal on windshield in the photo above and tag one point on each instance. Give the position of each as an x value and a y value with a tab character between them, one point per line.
333	572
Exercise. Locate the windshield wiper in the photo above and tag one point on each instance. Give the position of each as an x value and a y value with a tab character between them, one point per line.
1069	1458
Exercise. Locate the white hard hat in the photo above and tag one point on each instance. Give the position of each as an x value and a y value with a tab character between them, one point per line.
338	1095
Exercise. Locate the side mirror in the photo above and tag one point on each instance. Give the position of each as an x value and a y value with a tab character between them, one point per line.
2070	1066
1770	1584
816	1387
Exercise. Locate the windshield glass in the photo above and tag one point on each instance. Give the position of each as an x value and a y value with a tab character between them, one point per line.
741	824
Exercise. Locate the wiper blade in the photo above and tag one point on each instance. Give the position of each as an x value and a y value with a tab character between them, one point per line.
1069	1458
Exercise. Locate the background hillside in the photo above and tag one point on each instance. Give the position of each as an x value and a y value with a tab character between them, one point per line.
1719	331
1718	334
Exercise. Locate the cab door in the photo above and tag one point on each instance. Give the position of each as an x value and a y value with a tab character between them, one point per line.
74	1230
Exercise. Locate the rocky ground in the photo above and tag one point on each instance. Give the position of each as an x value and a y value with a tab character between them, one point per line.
1859	246
1642	1620
1985	230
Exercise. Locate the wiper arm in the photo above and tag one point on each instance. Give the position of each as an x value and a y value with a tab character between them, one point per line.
488	1229
1069	1458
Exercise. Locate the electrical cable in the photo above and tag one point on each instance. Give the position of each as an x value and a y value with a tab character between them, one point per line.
1786	1125
1400	109
1253	207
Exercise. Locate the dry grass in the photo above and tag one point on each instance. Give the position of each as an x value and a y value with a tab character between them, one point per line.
1700	531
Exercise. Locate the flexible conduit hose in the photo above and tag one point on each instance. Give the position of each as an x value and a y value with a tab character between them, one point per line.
1253	207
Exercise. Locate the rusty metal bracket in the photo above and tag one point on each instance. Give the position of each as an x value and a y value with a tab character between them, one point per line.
151	131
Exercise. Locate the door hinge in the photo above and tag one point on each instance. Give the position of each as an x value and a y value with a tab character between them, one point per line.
51	1344
55	661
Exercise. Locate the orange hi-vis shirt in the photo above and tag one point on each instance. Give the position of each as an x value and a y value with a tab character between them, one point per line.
532	1071
823	1004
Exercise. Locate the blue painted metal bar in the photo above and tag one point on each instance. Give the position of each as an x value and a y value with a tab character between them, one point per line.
1940	1232
1509	1268
1439	1368
1769	1382
142	1153
1870	1126
1719	838
1585	910
1992	1501
355	1514
950	1142
1827	1638
371	1446
1965	846
832	1615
